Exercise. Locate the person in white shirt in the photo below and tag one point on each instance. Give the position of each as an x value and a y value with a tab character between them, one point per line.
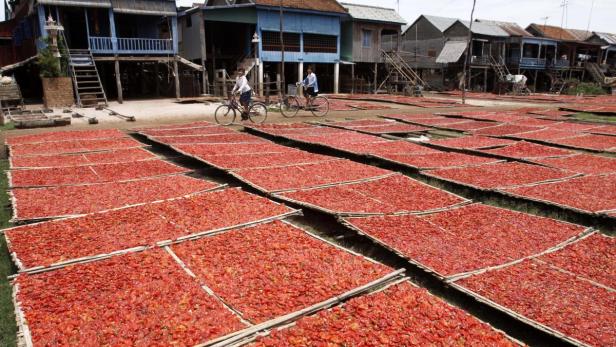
243	89
311	85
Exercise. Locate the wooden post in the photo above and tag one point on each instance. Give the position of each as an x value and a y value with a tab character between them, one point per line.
142	76
118	80
156	72
267	89
337	78
260	69
204	81
443	77
485	80
207	81
174	34
300	73
213	56
535	81
176	72
85	15
112	30
376	71
278	85
352	78
224	85
282	48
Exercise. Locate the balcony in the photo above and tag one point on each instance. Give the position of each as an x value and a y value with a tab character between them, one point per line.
533	62
480	60
562	63
123	45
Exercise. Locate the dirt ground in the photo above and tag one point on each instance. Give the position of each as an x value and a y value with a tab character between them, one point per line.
168	111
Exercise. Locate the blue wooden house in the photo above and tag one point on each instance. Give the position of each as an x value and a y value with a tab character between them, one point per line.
226	34
117	48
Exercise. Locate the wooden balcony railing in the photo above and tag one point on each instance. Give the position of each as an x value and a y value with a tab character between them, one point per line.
125	45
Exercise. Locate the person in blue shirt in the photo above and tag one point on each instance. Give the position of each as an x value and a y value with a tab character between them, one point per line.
311	85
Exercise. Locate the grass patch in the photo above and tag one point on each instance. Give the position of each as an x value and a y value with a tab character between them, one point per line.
591	117
585	89
8	328
7	126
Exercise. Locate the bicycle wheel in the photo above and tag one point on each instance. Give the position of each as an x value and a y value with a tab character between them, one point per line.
319	106
289	106
224	115
257	113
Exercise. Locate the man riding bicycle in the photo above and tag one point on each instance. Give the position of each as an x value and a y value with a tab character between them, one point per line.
243	88
311	85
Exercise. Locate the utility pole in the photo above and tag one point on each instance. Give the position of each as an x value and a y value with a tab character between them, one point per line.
466	57
592	5
283	84
545	21
563	5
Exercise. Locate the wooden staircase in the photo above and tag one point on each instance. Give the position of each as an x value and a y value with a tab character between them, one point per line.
500	68
86	80
401	69
595	71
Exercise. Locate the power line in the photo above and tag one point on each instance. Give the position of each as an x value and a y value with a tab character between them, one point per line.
592	5
563	5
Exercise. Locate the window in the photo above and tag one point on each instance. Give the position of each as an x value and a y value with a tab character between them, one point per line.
189	21
320	43
366	38
271	41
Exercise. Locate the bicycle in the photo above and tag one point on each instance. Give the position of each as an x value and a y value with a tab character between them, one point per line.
226	113
318	105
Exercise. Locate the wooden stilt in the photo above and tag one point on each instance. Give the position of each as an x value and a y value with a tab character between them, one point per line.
204	81
485	80
176	72
279	85
157	77
352	78
118	80
142	78
376	71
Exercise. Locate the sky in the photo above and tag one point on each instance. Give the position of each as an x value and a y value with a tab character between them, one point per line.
522	12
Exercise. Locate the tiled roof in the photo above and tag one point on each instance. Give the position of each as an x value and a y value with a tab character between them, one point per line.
373	13
554	32
314	5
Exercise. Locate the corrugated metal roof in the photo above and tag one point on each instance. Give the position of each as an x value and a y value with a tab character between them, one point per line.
77	3
146	7
580	35
513	29
441	23
452	51
484	28
314	5
373	13
607	37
